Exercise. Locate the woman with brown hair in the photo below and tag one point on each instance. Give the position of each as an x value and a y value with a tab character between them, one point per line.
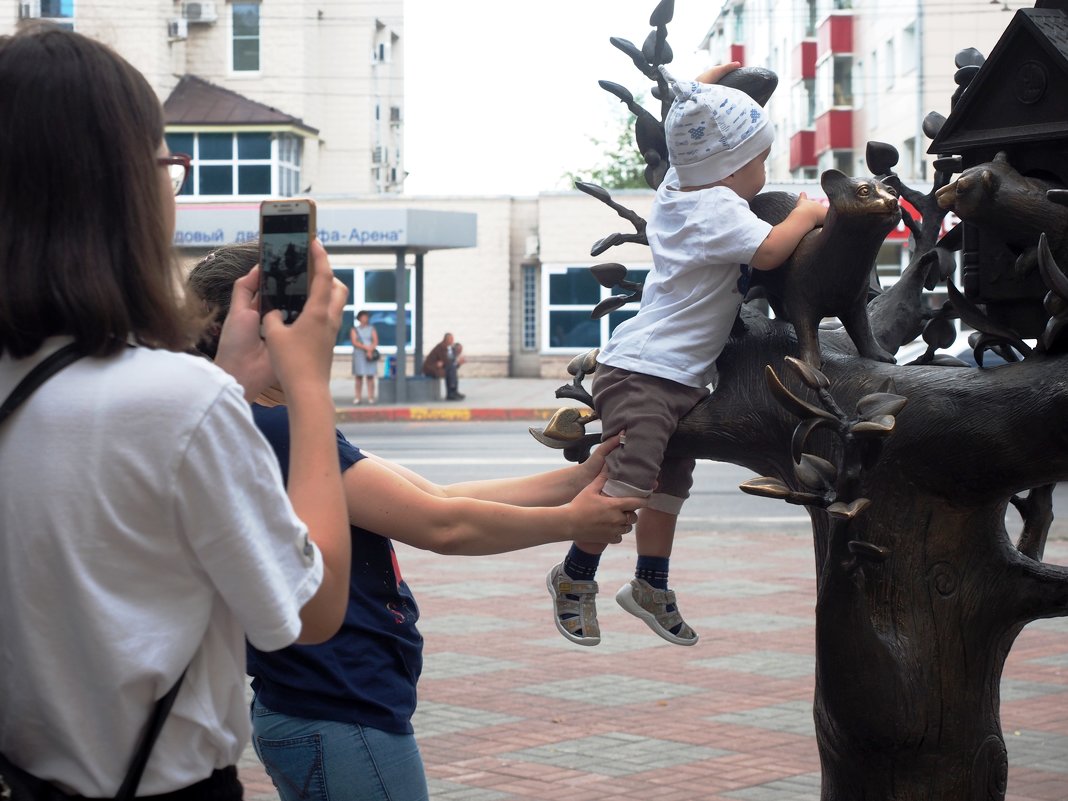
146	530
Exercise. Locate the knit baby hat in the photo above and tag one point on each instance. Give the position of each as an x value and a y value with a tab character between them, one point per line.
712	131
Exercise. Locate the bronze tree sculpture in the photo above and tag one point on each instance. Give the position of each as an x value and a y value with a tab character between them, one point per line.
906	472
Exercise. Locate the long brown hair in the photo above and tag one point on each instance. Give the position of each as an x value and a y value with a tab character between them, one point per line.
84	228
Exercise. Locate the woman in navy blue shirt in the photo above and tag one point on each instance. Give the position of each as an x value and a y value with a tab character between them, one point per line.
333	721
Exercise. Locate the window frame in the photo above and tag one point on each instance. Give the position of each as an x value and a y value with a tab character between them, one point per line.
65	21
530	275
357	301
285	168
548	307
235	37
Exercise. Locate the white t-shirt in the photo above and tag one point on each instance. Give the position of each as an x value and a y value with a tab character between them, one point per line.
699	240
144	528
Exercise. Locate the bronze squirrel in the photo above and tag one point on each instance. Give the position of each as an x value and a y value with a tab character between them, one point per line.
829	272
1014	207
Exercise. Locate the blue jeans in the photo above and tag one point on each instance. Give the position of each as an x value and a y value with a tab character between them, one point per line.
322	760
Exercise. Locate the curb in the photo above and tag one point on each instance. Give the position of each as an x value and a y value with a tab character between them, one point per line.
406	414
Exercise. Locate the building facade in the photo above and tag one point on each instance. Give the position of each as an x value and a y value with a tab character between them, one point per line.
275	98
854	71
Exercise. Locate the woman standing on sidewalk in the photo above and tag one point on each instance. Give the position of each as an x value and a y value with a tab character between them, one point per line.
145	529
364	338
334	721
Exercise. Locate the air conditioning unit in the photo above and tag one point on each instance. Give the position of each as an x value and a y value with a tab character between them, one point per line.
199	12
394	114
177	29
378	155
29	9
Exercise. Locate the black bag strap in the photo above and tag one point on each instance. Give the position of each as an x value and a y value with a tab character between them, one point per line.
128	788
44	370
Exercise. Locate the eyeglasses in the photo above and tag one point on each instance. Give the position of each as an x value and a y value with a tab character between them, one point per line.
177	165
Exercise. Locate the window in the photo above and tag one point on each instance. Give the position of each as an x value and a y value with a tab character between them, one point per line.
834	78
873	90
289	154
843	80
58	12
530	306
909	55
843	161
572	294
889	63
246	37
374	289
381	50
803	109
915	165
860	81
739	24
890	261
233	163
810	18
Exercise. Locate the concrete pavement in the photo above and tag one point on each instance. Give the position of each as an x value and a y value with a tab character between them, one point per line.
510	711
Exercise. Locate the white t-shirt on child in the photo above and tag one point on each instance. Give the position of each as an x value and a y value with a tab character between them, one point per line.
699	240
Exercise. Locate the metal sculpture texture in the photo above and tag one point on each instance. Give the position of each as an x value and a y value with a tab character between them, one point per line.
906	470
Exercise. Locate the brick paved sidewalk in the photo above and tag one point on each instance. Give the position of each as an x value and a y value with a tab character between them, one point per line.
510	711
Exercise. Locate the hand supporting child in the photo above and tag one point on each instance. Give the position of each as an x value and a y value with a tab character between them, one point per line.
716	74
596	517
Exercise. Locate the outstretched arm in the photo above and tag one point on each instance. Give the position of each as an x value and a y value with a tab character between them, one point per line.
783	238
385	501
551	488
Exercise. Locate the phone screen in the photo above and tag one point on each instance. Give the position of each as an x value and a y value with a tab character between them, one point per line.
284	243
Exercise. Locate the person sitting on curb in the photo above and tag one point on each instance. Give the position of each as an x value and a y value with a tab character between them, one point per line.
442	362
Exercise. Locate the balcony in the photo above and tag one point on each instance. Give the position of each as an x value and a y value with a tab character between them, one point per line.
802	150
835	35
834	131
805	60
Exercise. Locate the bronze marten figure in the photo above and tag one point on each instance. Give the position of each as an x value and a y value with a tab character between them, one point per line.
829	272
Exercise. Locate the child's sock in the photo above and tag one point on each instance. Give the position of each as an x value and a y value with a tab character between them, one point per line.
653	569
580	565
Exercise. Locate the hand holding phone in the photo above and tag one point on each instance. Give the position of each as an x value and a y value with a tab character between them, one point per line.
301	354
287	228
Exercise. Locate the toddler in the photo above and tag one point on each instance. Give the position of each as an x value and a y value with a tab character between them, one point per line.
658	365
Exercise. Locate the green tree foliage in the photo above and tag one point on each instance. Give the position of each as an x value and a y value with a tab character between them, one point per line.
620	166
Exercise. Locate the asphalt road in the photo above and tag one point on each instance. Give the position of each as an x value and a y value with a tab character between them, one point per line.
451	452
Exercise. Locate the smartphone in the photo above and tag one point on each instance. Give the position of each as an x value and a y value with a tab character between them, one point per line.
286	231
